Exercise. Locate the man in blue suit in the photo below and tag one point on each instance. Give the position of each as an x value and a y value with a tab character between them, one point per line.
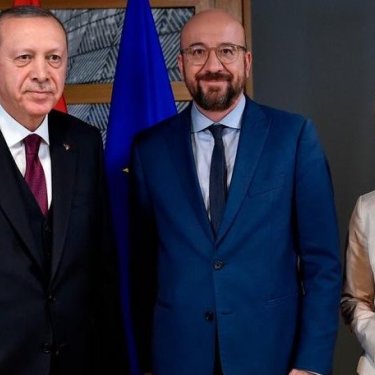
241	279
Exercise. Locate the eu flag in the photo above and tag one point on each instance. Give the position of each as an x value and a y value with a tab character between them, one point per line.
141	96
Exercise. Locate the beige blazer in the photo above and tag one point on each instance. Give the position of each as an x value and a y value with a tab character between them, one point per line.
357	301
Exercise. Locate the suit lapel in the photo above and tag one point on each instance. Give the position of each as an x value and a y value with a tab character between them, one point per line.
63	164
253	135
179	141
11	202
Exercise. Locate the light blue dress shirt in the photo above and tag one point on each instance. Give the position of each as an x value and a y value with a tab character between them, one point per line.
203	144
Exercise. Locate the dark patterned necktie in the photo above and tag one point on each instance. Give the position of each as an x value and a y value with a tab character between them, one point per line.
218	177
34	175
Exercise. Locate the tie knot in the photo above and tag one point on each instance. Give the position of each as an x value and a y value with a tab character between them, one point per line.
217	131
32	143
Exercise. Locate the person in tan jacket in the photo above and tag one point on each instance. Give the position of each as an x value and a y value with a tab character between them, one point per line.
357	303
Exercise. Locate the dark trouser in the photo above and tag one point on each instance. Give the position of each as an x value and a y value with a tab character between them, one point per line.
55	366
217	368
217	365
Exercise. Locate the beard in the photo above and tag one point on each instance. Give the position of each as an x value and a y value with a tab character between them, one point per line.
213	99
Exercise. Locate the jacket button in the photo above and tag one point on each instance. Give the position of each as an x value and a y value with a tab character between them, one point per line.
46	348
218	265
209	316
51	298
47	228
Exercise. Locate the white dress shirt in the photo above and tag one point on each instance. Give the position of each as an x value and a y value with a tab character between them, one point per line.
14	133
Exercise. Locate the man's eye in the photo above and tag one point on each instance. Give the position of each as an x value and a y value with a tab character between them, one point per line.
54	59
227	51
198	52
23	59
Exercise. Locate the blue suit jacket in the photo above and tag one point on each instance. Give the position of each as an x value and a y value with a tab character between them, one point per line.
269	284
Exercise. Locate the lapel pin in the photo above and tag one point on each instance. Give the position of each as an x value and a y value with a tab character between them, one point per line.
126	170
66	146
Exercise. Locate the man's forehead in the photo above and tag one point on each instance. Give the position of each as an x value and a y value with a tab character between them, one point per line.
212	27
37	30
47	23
212	37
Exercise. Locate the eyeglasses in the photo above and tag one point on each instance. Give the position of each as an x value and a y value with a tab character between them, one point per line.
226	53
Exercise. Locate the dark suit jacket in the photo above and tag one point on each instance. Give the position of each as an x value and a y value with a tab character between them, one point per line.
268	285
60	315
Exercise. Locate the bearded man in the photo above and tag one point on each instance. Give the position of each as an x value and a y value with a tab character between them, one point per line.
234	258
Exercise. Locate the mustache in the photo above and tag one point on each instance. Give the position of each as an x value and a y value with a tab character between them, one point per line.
216	76
39	90
39	87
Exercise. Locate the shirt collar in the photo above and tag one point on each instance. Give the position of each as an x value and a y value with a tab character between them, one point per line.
14	132
231	120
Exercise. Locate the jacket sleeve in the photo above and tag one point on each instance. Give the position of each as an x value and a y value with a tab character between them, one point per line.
319	255
111	354
143	259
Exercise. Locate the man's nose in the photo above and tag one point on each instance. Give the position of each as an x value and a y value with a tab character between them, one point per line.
213	63
39	69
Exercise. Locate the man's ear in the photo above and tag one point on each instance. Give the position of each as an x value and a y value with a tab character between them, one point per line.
248	62
180	63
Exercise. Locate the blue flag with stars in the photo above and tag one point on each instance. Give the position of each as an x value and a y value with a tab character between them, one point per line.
141	96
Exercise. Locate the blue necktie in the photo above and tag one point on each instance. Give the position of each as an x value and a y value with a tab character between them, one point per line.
218	178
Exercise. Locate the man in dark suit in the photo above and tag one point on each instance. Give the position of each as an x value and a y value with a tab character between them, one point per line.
58	305
235	256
